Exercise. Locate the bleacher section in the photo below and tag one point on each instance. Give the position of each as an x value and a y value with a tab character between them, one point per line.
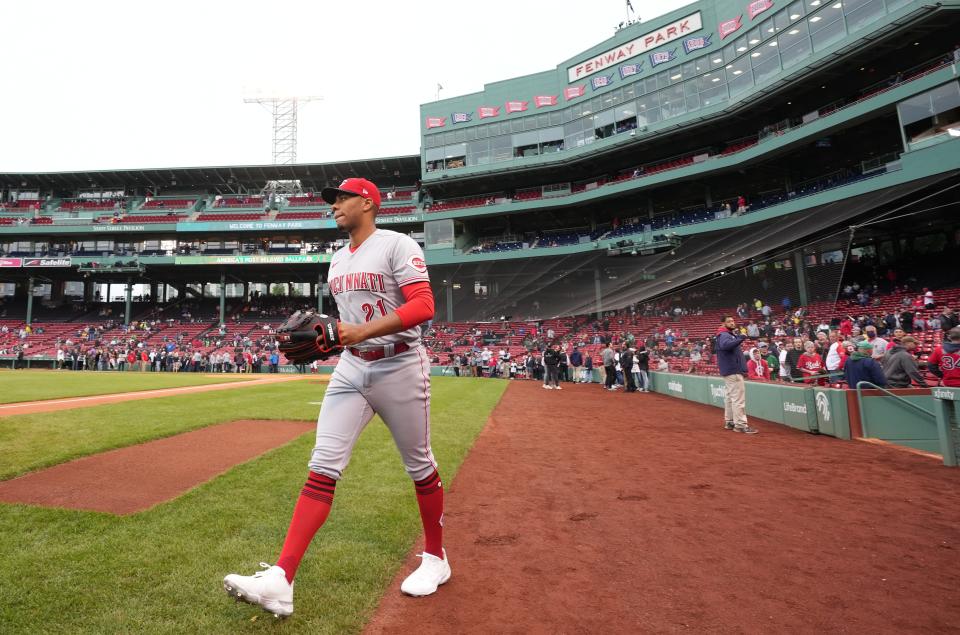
152	218
240	202
207	217
516	337
169	203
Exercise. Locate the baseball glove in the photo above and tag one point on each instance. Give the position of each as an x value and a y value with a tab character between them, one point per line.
307	336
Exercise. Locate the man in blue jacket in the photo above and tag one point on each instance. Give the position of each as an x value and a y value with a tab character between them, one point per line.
733	367
862	367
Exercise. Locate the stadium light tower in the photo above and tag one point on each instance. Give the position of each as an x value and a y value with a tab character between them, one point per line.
284	111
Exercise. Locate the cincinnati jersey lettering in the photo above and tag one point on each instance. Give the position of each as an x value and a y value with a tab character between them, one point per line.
368	283
363	281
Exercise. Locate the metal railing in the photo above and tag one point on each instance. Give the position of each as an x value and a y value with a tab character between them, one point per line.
900	399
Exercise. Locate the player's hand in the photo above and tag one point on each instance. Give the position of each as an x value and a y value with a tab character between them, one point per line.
351	334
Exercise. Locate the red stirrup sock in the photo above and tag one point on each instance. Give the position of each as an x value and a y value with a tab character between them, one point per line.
430	501
310	513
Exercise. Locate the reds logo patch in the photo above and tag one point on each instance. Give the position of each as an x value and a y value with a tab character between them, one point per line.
417	263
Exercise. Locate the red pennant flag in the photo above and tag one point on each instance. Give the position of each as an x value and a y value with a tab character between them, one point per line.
488	111
730	27
545	100
517	106
573	92
436	122
758	6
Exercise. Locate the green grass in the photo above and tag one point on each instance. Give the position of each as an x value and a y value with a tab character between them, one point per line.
33	385
160	571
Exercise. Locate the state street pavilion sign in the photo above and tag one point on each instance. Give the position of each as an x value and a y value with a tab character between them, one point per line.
268	259
638	46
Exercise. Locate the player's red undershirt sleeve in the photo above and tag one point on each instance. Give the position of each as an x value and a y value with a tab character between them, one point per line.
418	307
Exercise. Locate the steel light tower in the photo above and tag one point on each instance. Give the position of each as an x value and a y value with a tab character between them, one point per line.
284	111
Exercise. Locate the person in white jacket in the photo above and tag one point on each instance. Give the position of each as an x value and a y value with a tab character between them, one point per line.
784	367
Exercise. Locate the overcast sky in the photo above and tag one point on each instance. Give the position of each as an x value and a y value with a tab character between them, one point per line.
101	85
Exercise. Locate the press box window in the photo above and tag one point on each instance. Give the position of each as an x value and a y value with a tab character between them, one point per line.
934	114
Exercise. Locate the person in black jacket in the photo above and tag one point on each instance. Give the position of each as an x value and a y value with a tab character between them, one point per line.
626	363
551	359
643	362
793	360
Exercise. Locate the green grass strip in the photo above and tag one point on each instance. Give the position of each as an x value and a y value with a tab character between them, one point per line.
34	385
29	442
160	571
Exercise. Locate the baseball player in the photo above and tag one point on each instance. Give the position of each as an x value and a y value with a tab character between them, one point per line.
382	291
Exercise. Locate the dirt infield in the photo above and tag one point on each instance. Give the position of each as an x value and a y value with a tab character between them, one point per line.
51	405
585	511
136	478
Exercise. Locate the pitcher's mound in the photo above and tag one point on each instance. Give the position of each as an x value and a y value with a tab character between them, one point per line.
136	478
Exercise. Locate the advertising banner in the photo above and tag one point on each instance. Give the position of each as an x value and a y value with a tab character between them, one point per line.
266	259
47	262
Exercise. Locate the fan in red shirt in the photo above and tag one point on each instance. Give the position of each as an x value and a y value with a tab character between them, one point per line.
846	326
944	362
757	367
811	365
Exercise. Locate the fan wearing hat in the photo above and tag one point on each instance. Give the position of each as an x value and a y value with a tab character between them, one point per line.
863	367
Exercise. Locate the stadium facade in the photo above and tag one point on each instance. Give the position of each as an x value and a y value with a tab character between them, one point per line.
720	135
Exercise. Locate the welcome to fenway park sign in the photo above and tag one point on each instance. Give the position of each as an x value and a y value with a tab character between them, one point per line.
638	46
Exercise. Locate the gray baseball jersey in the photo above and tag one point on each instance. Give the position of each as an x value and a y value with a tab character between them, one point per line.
366	284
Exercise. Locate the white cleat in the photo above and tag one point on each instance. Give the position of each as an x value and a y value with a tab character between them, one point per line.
268	589
431	573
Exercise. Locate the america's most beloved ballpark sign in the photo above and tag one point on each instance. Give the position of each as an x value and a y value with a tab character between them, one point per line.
265	259
646	42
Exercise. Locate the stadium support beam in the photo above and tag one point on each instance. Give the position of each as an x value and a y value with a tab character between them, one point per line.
597	292
223	298
801	268
29	319
319	293
450	302
128	299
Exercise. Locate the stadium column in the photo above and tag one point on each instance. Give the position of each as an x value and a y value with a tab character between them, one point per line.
320	292
450	302
29	319
128	299
801	268
596	290
88	291
223	298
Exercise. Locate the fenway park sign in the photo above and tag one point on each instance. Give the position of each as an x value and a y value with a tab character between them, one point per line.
646	42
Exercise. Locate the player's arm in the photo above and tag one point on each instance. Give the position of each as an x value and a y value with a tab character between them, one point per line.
933	362
417	308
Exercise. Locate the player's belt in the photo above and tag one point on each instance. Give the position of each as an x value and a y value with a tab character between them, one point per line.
379	352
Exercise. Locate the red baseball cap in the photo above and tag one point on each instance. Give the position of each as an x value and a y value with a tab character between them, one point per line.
359	187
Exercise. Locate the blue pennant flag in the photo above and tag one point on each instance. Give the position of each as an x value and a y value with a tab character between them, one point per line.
662	57
601	80
631	69
461	117
696	43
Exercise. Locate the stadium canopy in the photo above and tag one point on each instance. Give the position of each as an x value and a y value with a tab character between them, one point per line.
386	171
